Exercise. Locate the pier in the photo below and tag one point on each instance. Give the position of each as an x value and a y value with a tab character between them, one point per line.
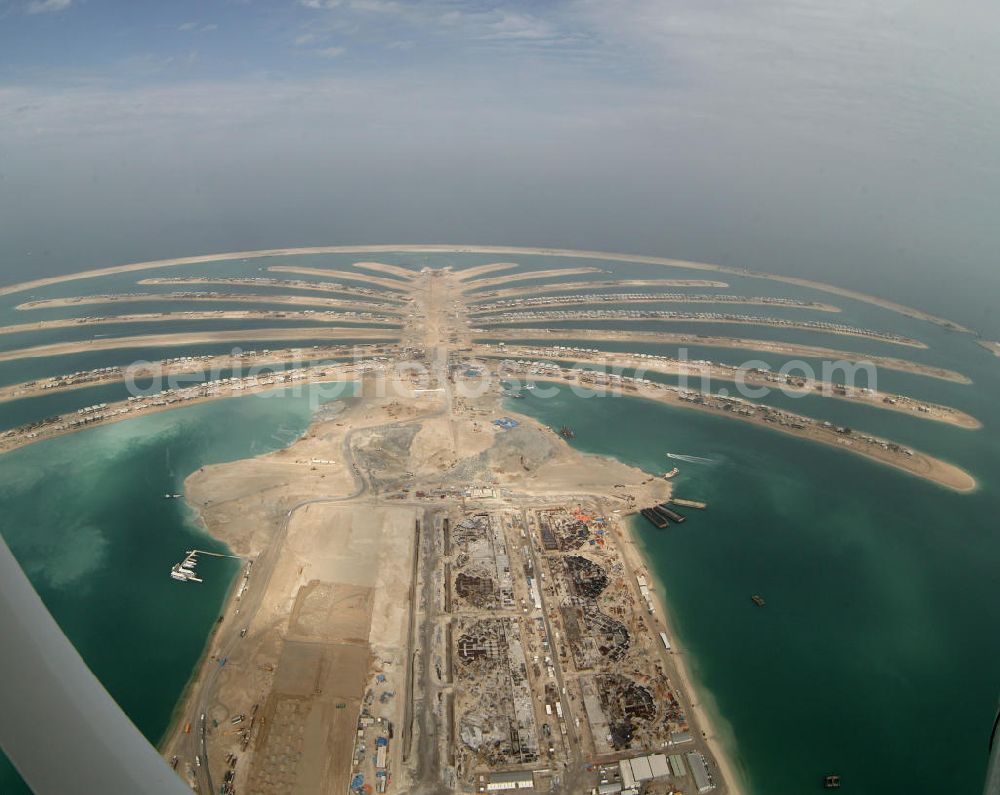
185	570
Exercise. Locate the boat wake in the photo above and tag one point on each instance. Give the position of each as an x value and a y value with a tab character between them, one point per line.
691	459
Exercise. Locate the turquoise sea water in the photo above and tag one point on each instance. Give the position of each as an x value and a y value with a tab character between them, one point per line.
85	516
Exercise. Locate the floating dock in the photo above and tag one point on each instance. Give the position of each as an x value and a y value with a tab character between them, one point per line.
664	509
654	518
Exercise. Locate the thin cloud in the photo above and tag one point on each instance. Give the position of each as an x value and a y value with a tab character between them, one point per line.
47	6
331	52
186	27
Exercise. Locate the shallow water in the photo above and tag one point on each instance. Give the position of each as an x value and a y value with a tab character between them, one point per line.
86	518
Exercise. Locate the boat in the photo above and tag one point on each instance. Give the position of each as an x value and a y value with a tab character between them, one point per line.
671	474
831	782
181	573
758	600
566	432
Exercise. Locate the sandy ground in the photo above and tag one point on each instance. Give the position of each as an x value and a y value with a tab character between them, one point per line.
495	321
358	276
596	299
993	347
194	338
554	336
325	605
572	287
524	276
292	300
391	270
481	270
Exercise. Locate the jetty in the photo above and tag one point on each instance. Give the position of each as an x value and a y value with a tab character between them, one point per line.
185	570
701	506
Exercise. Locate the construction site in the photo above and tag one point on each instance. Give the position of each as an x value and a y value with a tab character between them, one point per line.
444	598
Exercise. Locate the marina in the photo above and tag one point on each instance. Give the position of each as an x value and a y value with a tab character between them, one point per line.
185	570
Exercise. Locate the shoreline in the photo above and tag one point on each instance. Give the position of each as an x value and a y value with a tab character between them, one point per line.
708	719
200	667
473	249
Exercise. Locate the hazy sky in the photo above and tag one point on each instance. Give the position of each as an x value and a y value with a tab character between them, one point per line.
856	140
